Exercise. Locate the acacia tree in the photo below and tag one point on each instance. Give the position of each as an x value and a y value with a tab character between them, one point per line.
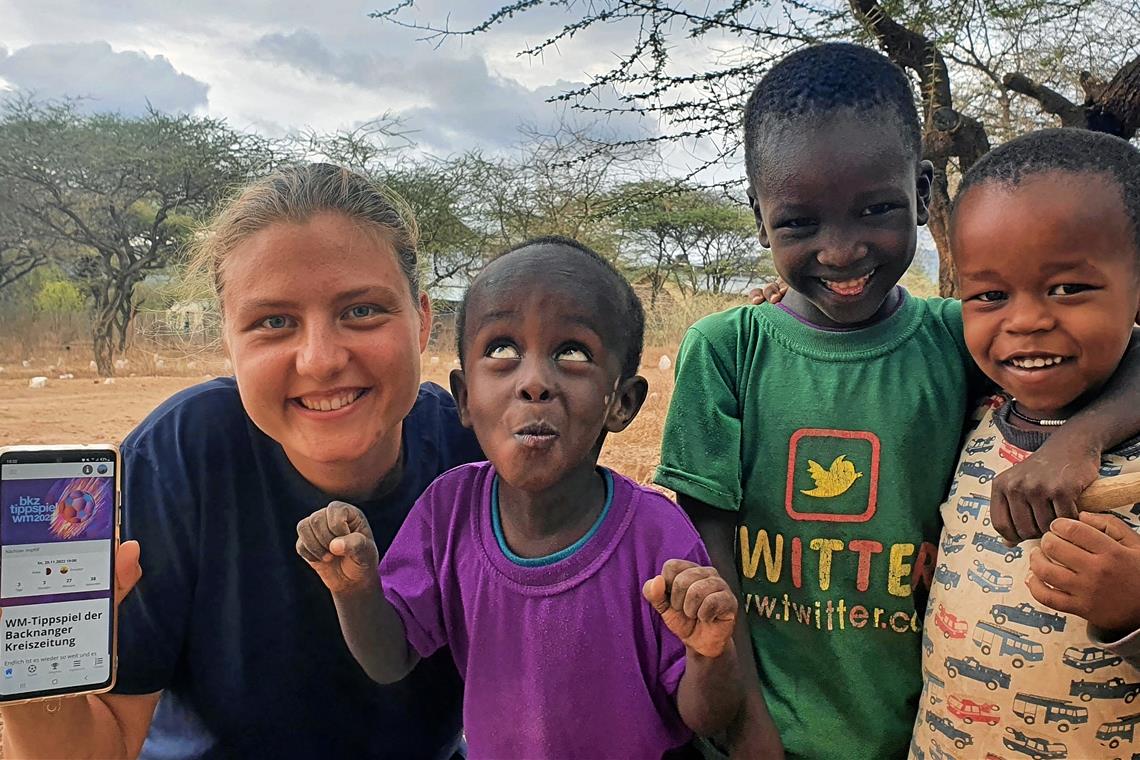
469	206
440	193
436	191
118	192
559	184
968	60
22	251
703	240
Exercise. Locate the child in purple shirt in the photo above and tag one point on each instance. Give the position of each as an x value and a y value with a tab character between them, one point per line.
530	567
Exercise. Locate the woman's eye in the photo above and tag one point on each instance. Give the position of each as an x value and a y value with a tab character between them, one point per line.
276	322
502	351
572	354
362	311
1068	289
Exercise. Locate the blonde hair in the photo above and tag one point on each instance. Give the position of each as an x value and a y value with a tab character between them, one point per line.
295	194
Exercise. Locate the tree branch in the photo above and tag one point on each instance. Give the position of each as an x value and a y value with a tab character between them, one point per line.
1051	101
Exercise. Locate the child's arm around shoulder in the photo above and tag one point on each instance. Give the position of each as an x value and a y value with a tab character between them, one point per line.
337	543
1027	497
697	605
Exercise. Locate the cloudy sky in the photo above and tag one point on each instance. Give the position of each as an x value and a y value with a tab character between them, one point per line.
277	66
291	64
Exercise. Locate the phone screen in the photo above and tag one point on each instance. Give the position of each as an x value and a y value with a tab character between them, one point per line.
57	537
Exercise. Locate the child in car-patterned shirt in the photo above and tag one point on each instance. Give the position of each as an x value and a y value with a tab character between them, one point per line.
1032	650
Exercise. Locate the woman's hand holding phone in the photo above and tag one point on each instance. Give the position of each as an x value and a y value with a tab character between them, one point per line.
128	569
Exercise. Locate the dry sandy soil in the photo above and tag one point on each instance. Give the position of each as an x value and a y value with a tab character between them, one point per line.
85	410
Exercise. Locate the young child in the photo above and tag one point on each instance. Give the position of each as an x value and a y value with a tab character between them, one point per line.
530	566
817	437
1046	237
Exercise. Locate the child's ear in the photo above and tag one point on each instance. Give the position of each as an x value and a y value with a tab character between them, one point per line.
630	395
459	392
761	231
924	186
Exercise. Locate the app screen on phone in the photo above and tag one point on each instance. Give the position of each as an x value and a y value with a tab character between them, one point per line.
56	534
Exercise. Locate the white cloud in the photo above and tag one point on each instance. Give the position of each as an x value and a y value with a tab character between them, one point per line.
107	80
281	65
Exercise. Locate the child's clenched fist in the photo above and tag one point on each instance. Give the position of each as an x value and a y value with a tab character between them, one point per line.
337	542
696	605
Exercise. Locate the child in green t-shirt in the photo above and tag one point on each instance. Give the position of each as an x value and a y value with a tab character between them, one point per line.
812	441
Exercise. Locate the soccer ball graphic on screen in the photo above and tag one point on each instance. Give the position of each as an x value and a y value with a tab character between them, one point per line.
73	512
76	507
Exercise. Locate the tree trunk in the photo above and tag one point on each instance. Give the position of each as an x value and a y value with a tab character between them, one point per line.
103	345
1116	108
946	133
123	320
939	225
103	336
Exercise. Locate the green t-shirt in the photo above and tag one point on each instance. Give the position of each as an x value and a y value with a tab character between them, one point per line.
836	449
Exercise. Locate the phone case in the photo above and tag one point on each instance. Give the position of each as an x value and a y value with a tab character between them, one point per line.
117	522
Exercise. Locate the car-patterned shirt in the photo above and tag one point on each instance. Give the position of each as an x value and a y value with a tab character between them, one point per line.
1004	675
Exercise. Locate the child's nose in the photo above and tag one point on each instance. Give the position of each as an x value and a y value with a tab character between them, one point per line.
841	251
533	384
1029	316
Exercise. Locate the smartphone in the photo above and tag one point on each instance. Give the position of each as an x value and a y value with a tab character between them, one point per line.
59	529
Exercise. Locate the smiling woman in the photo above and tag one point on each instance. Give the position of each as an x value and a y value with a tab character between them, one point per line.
326	347
229	645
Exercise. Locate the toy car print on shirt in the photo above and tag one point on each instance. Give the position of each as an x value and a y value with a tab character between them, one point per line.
977	470
952	543
1028	615
980	445
991	543
1004	675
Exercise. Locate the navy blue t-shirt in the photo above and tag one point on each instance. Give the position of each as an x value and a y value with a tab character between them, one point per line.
235	629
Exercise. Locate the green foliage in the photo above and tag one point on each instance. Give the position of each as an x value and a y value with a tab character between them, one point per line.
469	207
698	238
114	197
59	297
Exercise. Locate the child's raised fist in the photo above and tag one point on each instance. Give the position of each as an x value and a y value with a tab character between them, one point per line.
696	605
337	542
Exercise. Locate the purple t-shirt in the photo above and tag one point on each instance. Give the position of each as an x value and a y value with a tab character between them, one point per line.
560	660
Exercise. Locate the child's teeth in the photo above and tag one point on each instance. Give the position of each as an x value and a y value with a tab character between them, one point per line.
1037	362
848	287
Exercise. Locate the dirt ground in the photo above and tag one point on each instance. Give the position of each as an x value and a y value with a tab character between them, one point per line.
86	410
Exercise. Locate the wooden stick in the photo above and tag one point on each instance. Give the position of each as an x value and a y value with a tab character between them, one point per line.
1111	493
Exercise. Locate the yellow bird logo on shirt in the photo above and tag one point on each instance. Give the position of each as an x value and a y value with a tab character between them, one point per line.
834	481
